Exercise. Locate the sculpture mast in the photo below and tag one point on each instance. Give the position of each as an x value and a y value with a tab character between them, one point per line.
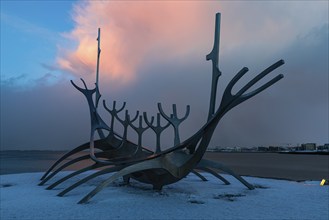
213	56
97	68
98	95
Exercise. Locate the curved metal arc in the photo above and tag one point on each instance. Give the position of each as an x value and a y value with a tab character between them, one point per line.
84	83
107	162
199	175
154	164
114	110
75	160
260	76
125	124
123	106
140	128
84	91
229	100
186	113
101	172
130	121
127	121
236	78
210	126
174	117
192	145
212	172
94	166
95	118
85	146
149	123
164	114
71	162
158	129
68	154
159	122
216	165
260	89
174	120
124	121
202	147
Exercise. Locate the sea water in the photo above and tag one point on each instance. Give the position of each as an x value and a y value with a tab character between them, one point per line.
30	161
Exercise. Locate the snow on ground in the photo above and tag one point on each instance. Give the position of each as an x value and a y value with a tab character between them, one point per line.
191	198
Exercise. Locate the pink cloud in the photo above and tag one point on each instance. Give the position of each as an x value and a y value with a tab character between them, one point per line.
130	34
137	33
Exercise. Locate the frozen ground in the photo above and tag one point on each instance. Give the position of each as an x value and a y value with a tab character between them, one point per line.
191	198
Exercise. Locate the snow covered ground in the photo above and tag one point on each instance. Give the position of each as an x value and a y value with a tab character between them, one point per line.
191	198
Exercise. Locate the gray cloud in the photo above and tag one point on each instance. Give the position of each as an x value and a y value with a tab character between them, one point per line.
13	80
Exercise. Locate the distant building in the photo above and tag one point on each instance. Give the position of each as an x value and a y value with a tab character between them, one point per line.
273	148
262	149
236	149
308	146
276	149
324	147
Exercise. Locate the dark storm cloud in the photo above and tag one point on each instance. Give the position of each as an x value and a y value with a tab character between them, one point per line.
295	110
45	117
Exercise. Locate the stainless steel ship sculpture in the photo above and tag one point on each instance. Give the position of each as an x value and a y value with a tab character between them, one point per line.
125	159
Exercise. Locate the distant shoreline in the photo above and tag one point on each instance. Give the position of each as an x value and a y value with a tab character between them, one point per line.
280	152
305	153
210	151
288	165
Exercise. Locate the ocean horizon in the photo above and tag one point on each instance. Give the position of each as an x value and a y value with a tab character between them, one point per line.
296	167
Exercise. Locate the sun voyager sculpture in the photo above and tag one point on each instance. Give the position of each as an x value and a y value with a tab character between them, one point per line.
114	153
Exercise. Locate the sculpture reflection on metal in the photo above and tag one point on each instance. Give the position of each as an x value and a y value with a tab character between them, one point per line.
116	154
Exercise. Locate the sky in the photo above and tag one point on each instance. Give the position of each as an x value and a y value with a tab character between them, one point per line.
155	52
